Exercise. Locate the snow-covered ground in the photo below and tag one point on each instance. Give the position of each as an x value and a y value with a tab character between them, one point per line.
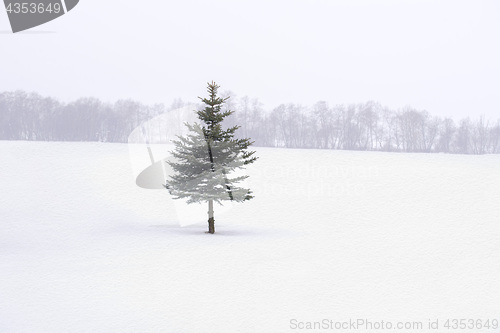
331	235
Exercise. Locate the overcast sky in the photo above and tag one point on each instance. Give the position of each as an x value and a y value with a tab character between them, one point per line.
441	56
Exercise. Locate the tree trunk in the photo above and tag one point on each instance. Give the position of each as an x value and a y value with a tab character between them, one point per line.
211	221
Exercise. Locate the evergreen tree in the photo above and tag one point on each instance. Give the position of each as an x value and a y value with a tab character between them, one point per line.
207	156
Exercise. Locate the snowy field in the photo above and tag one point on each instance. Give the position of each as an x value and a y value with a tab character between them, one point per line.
331	235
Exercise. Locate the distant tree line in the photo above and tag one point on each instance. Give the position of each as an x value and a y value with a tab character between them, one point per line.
29	116
365	126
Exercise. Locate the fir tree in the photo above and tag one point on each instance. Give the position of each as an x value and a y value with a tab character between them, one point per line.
207	156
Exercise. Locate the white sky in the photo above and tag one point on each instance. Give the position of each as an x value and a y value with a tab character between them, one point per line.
442	56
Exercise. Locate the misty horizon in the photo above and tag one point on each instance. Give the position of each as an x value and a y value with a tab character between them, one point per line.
363	126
